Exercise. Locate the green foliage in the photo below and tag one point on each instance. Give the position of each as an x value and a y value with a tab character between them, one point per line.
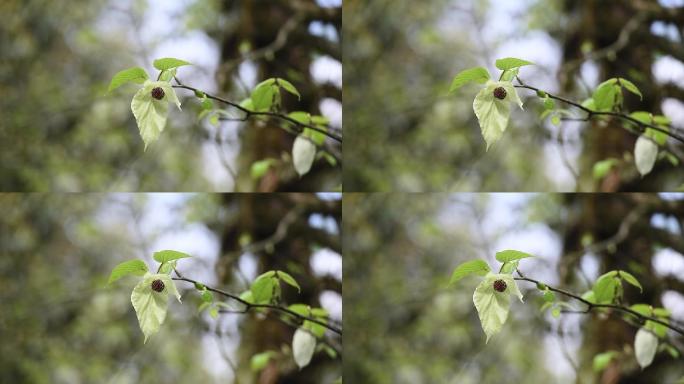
630	87
511	63
130	75
511	255
493	113
132	267
477	74
288	279
169	255
266	95
259	168
169	63
478	267
602	360
264	288
601	168
260	360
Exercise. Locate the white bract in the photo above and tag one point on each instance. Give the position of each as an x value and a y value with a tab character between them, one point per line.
645	346
150	306
303	346
492	306
492	112
150	113
303	154
645	154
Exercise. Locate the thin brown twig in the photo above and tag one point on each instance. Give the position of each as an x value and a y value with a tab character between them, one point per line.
249	306
591	306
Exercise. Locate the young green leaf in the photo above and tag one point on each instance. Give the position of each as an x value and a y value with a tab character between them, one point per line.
477	74
492	306
169	255
602	360
150	306
259	168
628	277
130	75
264	95
150	113
263	288
645	346
509	267
169	63
549	296
630	87
303	154
131	267
606	287
511	255
260	360
645	154
605	95
492	112
287	278
478	267
511	62
549	103
601	168
286	85
303	347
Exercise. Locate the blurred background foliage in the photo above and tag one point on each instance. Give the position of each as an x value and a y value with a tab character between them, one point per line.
61	323
59	131
408	327
400	59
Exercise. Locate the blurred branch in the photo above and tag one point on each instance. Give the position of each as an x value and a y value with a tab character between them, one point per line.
592	306
249	113
591	113
250	306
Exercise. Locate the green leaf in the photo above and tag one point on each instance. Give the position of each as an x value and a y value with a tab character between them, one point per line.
478	267
286	85
645	346
287	278
511	62
303	347
131	267
509	267
493	113
169	63
150	306
259	168
207	296
169	255
602	360
263	288
511	255
167	267
549	296
645	154
492	306
260	360
130	75
555	312
643	309
303	155
628	277
605	287
628	85
477	74
300	309
549	103
605	95
150	114
167	75
264	95
509	75
601	168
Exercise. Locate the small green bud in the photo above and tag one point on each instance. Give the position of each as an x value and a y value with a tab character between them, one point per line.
200	286
541	286
200	94
541	94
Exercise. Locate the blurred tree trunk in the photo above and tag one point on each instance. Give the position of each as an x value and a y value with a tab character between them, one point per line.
600	23
601	217
260	215
258	24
